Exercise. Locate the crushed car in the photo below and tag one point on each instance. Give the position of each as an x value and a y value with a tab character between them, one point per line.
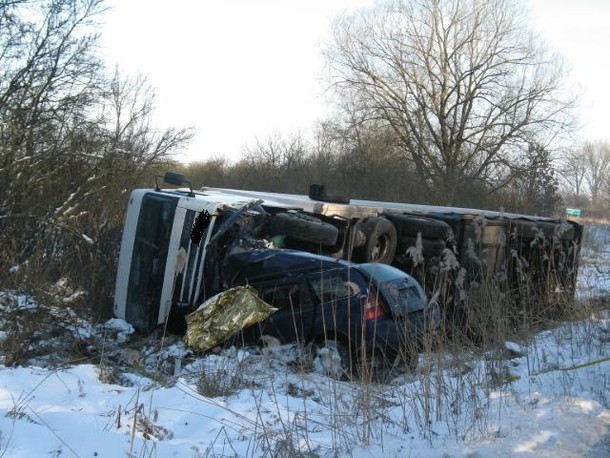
369	312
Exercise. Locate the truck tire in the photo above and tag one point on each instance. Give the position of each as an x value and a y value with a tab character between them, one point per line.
411	225
550	230
304	228
524	230
381	241
430	247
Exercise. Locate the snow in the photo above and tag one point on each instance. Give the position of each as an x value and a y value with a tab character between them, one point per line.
17	301
547	395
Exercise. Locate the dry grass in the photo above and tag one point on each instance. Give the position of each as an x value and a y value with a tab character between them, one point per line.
458	369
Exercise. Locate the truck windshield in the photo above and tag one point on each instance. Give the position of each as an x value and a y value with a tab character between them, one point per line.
148	261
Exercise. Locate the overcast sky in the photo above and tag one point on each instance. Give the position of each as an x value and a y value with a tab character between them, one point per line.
238	70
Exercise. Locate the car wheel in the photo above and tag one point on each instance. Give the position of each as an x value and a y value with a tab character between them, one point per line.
332	358
381	241
379	365
305	228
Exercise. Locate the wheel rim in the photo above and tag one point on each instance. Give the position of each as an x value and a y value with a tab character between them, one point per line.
380	248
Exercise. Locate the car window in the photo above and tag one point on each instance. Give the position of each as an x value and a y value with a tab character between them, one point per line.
333	285
402	295
286	297
401	291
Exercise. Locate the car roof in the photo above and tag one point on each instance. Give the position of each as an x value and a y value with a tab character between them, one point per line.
263	263
381	272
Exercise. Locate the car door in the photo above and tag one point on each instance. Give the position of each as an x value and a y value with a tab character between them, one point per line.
338	295
296	310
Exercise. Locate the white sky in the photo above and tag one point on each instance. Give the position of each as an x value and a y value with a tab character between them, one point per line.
580	31
238	70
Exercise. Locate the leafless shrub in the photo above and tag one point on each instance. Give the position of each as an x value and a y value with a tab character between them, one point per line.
221	381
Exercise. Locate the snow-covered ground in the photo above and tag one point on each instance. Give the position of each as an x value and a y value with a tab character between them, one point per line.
545	396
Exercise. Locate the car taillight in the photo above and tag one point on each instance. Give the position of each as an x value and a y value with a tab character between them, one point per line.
372	308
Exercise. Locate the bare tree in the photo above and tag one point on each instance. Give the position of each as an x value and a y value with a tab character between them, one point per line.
605	195
211	172
596	160
573	170
71	141
278	163
49	76
463	83
48	70
128	106
367	163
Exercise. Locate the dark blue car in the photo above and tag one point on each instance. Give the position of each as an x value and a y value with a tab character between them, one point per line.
362	312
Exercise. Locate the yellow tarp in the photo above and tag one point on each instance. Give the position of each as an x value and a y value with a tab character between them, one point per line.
223	315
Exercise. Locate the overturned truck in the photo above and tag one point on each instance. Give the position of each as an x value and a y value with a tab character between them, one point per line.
175	242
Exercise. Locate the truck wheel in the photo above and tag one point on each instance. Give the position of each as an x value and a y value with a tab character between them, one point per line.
305	228
381	240
551	229
430	247
411	225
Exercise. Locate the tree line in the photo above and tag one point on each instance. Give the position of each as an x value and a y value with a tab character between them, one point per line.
74	137
439	102
368	166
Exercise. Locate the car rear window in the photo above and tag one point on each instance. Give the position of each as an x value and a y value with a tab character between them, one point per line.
401	291
402	295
